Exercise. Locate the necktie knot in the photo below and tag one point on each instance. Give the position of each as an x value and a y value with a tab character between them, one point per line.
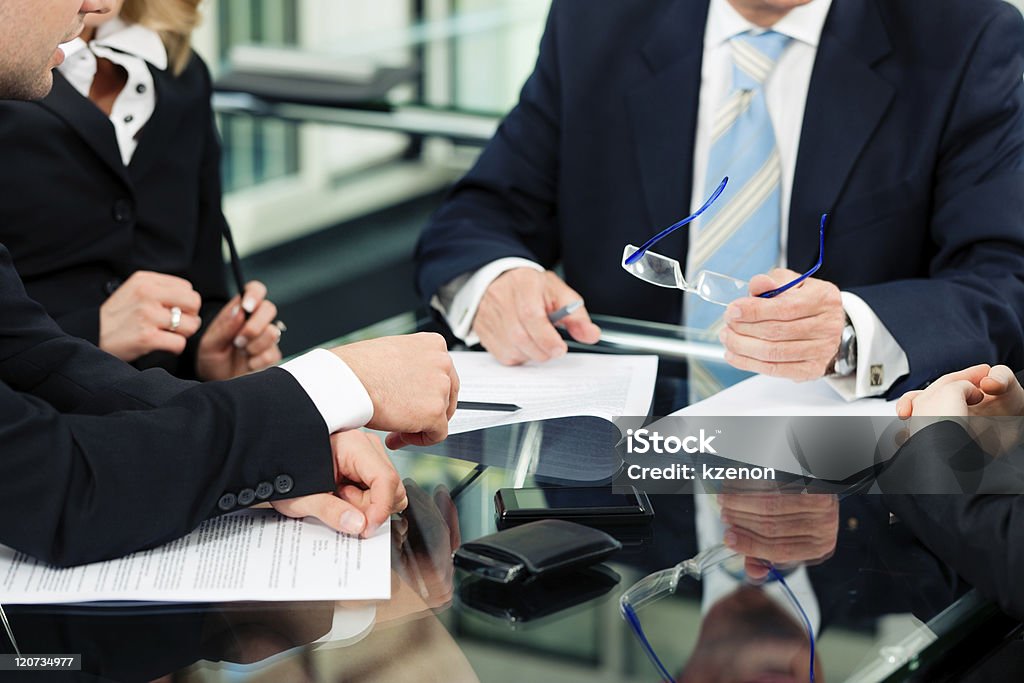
754	57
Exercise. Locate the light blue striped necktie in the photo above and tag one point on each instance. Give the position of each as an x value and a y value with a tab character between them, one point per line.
740	234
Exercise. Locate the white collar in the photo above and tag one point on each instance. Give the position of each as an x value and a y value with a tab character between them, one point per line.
803	23
133	39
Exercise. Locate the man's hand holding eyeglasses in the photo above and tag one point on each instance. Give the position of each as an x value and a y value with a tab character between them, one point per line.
512	320
793	335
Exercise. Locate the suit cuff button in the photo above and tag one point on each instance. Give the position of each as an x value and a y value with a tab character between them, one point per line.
283	484
246	497
264	490
227	502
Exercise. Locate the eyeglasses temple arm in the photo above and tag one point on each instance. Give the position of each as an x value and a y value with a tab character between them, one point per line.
821	257
636	256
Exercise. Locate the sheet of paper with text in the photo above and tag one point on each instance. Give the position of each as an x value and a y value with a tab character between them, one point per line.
253	554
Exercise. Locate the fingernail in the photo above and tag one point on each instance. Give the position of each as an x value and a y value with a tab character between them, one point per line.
352	522
732	313
249	304
240	342
730	539
234	311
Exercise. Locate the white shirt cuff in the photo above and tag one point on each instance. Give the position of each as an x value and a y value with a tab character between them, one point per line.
458	300
334	389
880	359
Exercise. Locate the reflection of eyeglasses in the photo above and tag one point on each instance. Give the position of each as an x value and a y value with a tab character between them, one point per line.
664	583
713	287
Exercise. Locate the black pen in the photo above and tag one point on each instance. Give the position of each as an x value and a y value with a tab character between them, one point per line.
236	268
492	407
466	481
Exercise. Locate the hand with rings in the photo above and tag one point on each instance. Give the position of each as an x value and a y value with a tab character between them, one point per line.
242	338
149	312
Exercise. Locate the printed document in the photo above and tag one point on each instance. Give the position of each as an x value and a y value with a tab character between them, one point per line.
598	385
255	554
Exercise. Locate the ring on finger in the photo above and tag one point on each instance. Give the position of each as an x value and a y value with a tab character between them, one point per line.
280	327
175	319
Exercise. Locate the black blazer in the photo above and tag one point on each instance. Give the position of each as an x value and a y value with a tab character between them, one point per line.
913	139
98	459
78	222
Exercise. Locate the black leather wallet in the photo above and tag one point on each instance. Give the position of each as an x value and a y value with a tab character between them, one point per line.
534	550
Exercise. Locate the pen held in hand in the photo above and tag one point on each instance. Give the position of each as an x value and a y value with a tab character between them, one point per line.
565	311
491	407
236	268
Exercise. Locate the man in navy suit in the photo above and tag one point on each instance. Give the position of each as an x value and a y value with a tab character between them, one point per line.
904	119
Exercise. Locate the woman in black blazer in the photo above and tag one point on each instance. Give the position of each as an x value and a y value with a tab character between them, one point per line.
128	256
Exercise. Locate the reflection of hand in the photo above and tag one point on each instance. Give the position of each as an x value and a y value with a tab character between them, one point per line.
794	335
512	319
429	535
137	319
232	346
422	543
412	383
979	391
780	528
368	488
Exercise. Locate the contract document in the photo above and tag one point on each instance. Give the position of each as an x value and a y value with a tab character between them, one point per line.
254	554
591	384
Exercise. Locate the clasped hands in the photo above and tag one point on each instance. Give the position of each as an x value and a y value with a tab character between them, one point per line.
980	396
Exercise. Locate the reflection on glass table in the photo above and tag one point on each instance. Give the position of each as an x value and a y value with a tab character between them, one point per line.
883	603
884	608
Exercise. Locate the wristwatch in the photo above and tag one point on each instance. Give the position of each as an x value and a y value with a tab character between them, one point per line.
845	362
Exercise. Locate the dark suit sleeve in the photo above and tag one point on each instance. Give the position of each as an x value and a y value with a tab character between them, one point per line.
505	206
99	460
968	310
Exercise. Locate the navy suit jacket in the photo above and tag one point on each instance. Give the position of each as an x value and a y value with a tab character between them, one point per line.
98	460
913	139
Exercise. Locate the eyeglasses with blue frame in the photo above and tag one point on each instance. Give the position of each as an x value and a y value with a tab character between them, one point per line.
664	583
716	288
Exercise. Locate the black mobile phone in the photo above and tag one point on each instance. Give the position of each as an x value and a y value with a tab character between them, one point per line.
590	505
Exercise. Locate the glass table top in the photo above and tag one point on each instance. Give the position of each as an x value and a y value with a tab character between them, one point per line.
885	605
888	610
